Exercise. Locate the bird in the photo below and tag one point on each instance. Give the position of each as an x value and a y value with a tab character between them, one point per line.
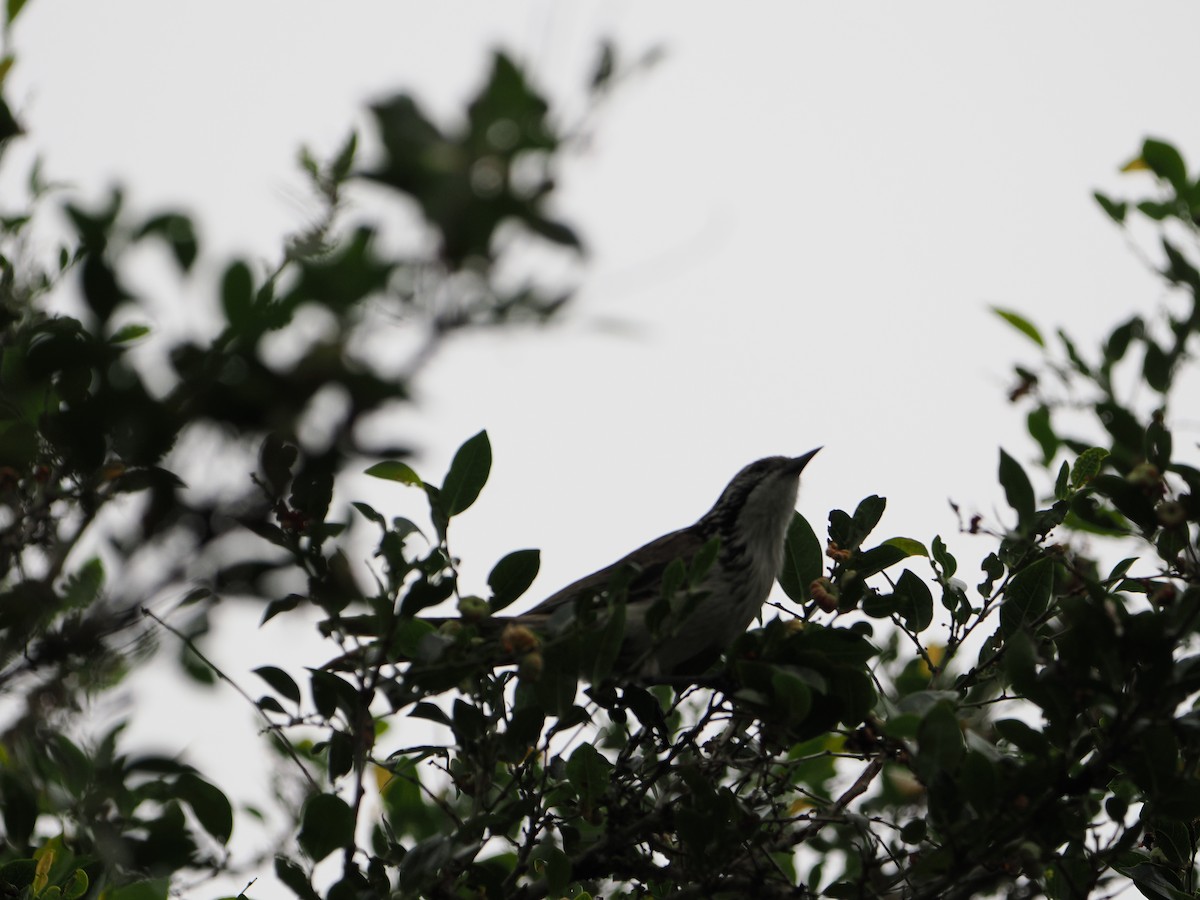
749	522
748	525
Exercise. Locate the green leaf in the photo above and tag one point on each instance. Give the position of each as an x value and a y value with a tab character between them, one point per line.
943	557
908	546
802	561
867	515
237	295
1157	368
339	169
1158	444
394	470
589	774
512	576
1087	466
178	233
1062	484
914	602
608	647
940	740
210	805
13	9
468	473
1116	210
793	698
423	594
1040	429
326	825
1027	596
555	866
1166	162
871	562
127	333
1017	488
153	889
84	585
1153	882
281	681
294	879
1020	323
76	886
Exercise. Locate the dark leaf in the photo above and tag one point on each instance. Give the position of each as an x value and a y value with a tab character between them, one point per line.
914	602
178	233
802	560
467	476
237	296
1017	489
281	681
326	825
1115	210
1027	596
1166	162
210	805
589	773
512	576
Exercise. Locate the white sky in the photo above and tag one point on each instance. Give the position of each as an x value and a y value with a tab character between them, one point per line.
799	219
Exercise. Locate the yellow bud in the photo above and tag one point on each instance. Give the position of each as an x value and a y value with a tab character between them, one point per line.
517	639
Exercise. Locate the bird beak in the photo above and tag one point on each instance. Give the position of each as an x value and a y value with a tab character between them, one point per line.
800	462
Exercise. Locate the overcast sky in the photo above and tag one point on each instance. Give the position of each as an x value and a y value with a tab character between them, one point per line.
797	222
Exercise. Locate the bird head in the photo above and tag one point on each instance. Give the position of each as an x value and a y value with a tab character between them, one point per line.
758	503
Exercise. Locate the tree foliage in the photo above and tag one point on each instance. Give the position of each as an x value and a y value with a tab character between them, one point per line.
1044	743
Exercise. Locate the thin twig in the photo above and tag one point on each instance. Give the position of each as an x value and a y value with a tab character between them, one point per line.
275	732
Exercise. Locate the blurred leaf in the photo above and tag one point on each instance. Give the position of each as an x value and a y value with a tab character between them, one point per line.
793	698
1158	444
13	9
178	233
940	740
1157	368
1020	323
84	585
1040	429
608	642
293	877
343	277
589	773
1153	882
127	333
153	889
605	65
326	825
802	560
1128	434
1116	210
339	169
237	296
468	474
210	805
1166	162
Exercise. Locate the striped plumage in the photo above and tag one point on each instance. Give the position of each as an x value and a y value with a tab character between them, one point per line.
750	520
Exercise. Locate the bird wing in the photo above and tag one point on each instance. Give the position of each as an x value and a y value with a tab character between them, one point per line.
647	564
